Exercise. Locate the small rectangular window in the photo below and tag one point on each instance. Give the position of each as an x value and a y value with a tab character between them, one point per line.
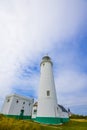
48	93
35	111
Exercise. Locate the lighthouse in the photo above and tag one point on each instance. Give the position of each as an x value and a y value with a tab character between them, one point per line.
47	111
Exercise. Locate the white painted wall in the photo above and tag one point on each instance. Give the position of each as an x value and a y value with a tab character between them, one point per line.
14	108
6	105
34	114
47	105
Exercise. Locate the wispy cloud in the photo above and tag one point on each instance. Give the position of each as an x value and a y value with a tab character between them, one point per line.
29	29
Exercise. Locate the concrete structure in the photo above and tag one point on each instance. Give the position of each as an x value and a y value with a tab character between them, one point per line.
17	106
48	111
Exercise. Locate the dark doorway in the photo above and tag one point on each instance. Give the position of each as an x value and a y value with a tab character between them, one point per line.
21	113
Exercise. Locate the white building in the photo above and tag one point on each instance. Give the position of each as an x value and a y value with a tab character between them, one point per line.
63	113
17	106
48	110
34	110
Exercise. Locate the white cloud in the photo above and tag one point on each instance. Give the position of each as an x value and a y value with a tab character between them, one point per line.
70	81
31	28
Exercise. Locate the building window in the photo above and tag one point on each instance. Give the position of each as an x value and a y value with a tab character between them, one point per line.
35	111
23	102
48	93
17	101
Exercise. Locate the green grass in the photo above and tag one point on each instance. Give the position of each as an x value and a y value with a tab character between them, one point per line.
13	124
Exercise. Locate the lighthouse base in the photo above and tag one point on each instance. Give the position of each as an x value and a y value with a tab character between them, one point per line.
51	120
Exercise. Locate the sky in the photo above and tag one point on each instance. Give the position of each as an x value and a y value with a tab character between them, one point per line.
30	29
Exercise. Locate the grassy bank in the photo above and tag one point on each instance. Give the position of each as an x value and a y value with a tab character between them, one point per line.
13	124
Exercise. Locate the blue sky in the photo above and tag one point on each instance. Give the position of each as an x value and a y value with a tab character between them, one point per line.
31	29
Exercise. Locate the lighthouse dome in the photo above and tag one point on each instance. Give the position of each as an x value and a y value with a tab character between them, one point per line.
46	59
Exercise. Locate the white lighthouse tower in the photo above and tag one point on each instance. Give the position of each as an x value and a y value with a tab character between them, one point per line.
47	111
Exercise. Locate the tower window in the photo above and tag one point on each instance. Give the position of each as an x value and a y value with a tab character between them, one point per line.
43	64
8	100
48	93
